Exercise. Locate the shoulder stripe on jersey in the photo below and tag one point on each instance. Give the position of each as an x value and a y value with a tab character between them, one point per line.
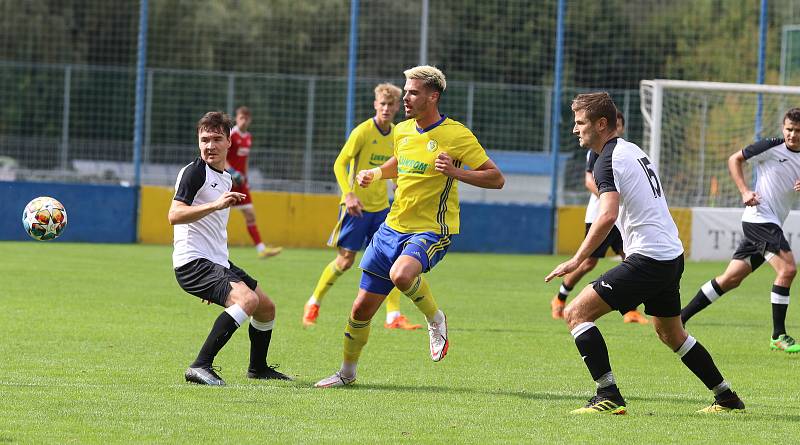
441	215
760	147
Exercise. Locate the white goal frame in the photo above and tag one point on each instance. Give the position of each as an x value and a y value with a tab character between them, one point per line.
653	118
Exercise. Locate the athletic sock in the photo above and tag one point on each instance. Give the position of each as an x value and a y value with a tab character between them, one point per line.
708	293
224	327
356	334
252	229
594	352
393	305
699	361
780	304
329	276
563	291
420	294
260	336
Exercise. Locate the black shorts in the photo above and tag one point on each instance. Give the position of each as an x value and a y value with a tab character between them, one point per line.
613	240
210	281
760	240
642	280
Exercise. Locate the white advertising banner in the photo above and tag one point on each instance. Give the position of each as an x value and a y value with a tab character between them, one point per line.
717	232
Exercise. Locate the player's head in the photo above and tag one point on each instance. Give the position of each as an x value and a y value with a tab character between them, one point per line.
214	137
595	119
387	101
791	128
620	124
423	90
243	118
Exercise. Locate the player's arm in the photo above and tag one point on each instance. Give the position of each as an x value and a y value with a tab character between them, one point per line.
352	204
588	181
386	171
735	166
606	217
487	175
182	213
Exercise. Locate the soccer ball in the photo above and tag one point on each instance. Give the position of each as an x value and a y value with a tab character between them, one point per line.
44	218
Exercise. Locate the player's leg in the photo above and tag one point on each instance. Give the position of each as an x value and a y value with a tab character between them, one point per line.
394	317
357	331
671	332
785	271
738	269
406	274
332	271
580	315
263	250
568	283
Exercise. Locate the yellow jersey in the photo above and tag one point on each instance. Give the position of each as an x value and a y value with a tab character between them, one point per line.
427	200
366	148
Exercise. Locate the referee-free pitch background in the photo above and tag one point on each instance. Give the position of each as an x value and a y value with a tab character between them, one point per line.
94	350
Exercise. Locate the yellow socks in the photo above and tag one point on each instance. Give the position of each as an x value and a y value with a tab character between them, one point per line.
355	337
393	301
420	294
329	276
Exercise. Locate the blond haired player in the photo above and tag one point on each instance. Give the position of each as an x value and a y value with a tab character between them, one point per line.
361	210
429	151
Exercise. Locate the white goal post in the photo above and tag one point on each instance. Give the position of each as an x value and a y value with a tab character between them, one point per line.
690	129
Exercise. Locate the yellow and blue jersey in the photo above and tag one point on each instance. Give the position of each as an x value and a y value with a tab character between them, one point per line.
366	148
427	200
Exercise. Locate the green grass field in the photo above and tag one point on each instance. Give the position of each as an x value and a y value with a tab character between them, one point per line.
96	339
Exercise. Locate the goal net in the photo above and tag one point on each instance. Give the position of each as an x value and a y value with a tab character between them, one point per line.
691	128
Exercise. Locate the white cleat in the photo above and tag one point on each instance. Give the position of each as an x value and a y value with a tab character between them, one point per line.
439	341
335	380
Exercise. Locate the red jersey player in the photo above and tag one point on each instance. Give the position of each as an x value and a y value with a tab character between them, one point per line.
236	165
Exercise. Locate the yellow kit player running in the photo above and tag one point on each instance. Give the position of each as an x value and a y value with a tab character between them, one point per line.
361	210
429	150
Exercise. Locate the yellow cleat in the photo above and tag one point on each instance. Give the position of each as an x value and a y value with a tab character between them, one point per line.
730	405
635	316
270	251
557	308
602	405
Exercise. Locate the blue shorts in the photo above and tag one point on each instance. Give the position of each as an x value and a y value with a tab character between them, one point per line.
386	247
355	232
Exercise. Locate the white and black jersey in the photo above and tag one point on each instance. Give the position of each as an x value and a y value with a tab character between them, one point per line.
644	219
594	201
776	168
199	183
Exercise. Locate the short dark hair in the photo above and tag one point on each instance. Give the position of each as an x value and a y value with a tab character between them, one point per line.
215	122
793	115
597	106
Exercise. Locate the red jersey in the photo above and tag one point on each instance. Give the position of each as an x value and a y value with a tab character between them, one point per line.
240	150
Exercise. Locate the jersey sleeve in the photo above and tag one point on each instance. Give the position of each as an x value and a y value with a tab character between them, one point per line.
190	180
351	149
760	148
604	174
468	150
591	158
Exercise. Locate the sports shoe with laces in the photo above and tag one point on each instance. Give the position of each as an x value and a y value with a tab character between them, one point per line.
270	373
635	316
557	308
337	379
438	339
784	343
603	405
401	322
310	314
270	251
204	376
730	404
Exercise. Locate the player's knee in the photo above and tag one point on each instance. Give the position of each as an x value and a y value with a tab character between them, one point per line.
788	272
344	263
402	278
265	309
572	316
245	298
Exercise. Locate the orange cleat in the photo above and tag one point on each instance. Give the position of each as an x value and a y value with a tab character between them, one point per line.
635	316
401	322
310	314
557	306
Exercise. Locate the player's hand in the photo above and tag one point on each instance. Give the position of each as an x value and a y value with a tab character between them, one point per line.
444	164
364	178
228	199
562	269
751	198
353	205
797	185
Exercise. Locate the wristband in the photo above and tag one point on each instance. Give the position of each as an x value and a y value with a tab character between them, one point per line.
377	173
